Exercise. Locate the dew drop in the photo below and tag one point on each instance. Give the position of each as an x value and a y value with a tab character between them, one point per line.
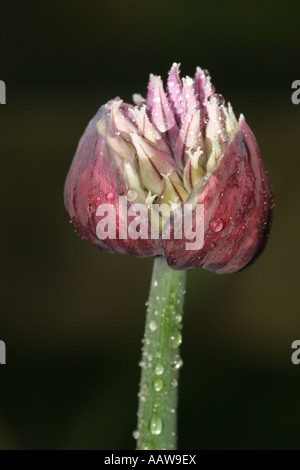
156	313
152	325
178	319
177	362
131	195
216	224
155	283
155	425
174	383
145	446
175	339
158	385
213	245
135	434
91	207
110	196
220	99
159	369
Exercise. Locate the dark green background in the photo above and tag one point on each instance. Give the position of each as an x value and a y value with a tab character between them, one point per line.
71	316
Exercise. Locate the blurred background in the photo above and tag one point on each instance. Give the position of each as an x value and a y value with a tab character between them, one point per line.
71	316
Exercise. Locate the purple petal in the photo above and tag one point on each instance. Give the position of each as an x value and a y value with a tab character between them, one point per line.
161	113
174	87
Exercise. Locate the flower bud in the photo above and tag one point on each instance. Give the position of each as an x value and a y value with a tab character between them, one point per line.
137	166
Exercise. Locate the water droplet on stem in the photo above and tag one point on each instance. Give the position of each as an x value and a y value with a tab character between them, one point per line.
155	425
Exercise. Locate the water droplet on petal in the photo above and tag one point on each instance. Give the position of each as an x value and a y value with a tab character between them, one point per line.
216	224
91	207
131	195
155	425
220	99
110	196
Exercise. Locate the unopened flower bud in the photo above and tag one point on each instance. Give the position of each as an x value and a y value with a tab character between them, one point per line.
172	150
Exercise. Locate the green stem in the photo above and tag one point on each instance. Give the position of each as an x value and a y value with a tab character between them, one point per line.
157	413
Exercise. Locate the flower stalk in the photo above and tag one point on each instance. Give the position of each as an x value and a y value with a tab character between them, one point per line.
161	361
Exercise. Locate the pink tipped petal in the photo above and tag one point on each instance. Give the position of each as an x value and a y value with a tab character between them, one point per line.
162	161
174	88
148	130
123	125
138	99
162	115
189	95
190	136
216	125
203	85
193	172
150	93
199	84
